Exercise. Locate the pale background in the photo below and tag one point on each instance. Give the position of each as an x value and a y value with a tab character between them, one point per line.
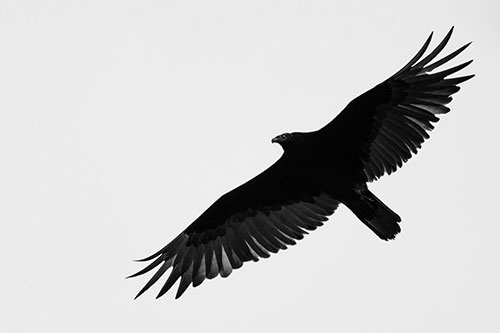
121	121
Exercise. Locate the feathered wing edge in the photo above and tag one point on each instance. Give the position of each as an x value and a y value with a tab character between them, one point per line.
418	96
248	236
416	67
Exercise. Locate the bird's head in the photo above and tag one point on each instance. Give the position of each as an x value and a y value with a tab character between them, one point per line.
282	139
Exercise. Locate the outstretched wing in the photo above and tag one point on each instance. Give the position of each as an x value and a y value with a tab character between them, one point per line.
262	216
380	130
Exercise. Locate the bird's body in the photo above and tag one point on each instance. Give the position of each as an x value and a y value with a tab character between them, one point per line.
374	135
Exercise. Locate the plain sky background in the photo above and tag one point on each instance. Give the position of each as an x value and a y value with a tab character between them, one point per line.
122	121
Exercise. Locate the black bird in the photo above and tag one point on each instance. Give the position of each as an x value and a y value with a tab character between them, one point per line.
374	135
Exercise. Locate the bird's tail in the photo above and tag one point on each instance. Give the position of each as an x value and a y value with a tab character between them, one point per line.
375	215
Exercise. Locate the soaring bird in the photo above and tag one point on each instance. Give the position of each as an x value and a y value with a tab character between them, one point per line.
374	135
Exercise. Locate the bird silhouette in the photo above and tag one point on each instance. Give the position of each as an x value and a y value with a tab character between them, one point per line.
374	135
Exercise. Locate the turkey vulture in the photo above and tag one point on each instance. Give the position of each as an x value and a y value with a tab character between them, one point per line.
374	135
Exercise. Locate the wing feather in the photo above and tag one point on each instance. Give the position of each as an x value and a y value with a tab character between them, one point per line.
210	261
253	235
385	126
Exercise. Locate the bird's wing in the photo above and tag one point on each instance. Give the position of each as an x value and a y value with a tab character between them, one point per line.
381	129
262	216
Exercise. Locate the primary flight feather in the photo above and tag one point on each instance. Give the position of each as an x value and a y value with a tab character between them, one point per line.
375	134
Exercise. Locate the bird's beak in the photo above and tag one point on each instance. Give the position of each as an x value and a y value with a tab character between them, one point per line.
274	140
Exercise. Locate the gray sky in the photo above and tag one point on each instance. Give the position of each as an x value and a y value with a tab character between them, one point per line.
121	121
